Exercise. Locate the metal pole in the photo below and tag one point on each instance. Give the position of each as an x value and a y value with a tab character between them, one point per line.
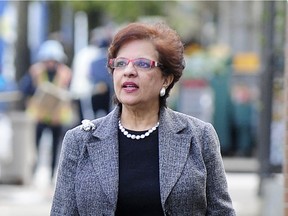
22	60
266	93
285	163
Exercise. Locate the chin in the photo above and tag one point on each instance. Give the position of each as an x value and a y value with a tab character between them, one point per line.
131	102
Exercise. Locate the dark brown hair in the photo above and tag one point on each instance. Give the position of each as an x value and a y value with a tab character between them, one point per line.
165	40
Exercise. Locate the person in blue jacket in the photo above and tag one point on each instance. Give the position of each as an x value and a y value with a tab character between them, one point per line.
101	80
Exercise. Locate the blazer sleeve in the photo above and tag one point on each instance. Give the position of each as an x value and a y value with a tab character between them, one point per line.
218	198
64	199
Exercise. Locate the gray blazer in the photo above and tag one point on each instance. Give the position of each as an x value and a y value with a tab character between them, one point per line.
192	176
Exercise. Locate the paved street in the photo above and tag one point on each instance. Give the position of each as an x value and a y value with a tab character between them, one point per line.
36	200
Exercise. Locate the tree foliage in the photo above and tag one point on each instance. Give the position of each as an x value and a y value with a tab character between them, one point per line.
121	11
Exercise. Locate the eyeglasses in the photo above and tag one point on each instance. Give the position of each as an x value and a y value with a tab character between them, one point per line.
139	63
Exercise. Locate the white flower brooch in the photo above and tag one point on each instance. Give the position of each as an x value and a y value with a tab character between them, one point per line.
87	125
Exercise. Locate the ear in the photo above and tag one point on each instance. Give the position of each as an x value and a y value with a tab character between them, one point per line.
168	80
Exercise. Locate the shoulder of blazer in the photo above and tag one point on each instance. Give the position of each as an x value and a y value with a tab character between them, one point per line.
178	118
91	125
77	138
102	128
204	134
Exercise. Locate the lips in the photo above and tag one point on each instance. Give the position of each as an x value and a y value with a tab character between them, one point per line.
130	85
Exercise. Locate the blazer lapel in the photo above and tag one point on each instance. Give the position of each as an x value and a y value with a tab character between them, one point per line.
174	147
103	151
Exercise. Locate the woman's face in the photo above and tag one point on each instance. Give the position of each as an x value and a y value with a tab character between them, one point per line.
137	86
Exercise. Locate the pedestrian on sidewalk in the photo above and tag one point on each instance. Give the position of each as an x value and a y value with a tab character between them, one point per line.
142	158
45	91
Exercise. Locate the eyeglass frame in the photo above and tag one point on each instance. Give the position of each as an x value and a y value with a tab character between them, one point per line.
151	65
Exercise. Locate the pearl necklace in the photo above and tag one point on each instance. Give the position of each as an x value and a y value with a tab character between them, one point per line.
132	136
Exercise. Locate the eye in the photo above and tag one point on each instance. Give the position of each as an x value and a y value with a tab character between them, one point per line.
143	63
120	63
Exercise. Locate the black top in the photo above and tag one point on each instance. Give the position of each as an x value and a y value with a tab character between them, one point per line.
139	187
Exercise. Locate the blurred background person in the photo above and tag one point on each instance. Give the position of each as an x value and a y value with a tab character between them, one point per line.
81	85
99	75
91	85
45	90
242	120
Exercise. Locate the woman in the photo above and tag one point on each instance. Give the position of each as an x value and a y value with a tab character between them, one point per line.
142	158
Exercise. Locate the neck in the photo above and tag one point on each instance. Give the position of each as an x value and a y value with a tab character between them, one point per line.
139	120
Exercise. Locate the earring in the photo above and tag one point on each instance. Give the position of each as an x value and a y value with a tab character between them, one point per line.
162	91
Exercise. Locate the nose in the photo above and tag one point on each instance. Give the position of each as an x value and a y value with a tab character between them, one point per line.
130	70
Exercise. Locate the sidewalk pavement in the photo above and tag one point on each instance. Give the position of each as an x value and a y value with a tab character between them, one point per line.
243	188
242	177
24	201
243	185
35	200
